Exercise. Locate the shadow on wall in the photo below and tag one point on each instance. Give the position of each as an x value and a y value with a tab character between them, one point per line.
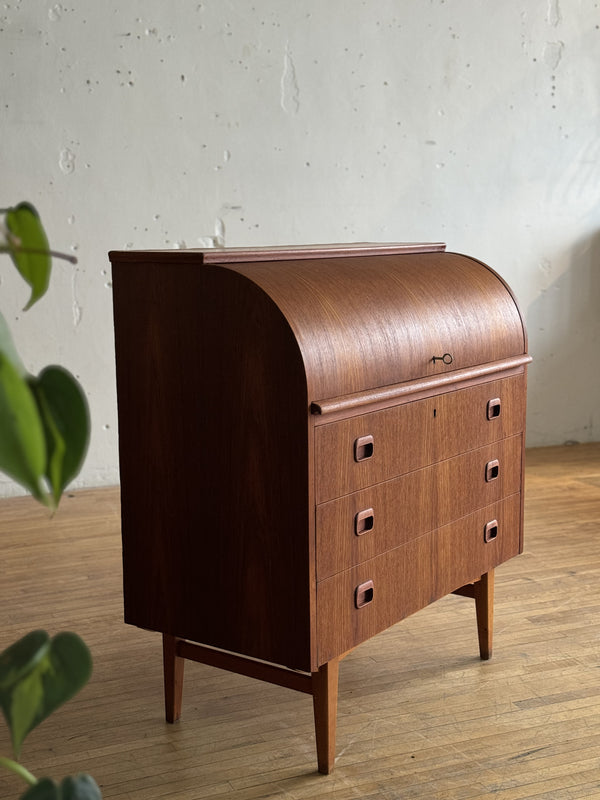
564	339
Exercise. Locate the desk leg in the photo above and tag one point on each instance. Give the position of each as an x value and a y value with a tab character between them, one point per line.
484	609
323	685
173	678
325	694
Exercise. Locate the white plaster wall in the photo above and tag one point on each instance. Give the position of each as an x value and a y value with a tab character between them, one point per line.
152	124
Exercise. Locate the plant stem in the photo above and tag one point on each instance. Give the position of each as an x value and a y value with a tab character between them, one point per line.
40	252
19	770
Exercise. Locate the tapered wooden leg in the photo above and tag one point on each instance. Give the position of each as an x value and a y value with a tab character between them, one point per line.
325	694
484	609
173	678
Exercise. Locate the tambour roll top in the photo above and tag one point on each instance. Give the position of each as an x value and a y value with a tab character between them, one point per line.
372	321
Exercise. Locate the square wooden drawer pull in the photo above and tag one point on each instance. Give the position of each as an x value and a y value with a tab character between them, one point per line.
490	532
492	470
363	594
363	448
364	521
493	408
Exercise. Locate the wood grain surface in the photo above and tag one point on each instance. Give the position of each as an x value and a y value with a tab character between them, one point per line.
365	322
414	435
406	507
413	575
369	321
214	461
220	362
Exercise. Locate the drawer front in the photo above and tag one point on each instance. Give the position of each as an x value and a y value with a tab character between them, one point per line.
362	525
408	578
361	451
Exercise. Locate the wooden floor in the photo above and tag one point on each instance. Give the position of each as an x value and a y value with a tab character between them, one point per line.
420	716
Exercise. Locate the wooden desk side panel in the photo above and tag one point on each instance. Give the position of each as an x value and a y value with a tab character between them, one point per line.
214	461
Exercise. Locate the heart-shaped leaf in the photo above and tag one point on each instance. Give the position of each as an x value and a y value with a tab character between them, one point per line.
7	347
28	247
22	440
21	657
80	787
41	681
64	411
44	789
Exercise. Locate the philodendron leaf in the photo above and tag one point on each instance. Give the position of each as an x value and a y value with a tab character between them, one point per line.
22	440
42	682
66	418
22	657
44	789
28	247
7	347
20	686
79	787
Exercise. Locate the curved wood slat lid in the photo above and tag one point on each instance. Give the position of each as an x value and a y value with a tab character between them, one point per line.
363	322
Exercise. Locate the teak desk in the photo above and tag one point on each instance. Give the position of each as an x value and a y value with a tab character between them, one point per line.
314	444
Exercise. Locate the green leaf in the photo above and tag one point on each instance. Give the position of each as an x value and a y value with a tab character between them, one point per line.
28	247
80	787
64	411
22	440
7	347
44	789
26	697
41	681
21	657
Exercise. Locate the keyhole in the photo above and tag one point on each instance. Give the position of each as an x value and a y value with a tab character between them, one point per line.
435	412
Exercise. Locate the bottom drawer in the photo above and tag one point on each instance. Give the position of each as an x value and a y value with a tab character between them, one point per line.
391	586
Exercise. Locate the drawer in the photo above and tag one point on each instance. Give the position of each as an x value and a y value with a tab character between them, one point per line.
364	450
412	576
362	525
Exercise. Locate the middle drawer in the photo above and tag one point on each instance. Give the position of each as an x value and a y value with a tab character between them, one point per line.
364	524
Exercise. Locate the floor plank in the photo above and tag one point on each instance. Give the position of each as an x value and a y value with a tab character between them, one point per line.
420	716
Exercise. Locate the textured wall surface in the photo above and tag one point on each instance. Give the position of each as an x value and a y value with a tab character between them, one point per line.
153	124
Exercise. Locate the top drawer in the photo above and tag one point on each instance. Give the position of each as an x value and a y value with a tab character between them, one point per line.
358	452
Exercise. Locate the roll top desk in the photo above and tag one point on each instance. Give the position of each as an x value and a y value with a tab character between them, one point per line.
314	444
